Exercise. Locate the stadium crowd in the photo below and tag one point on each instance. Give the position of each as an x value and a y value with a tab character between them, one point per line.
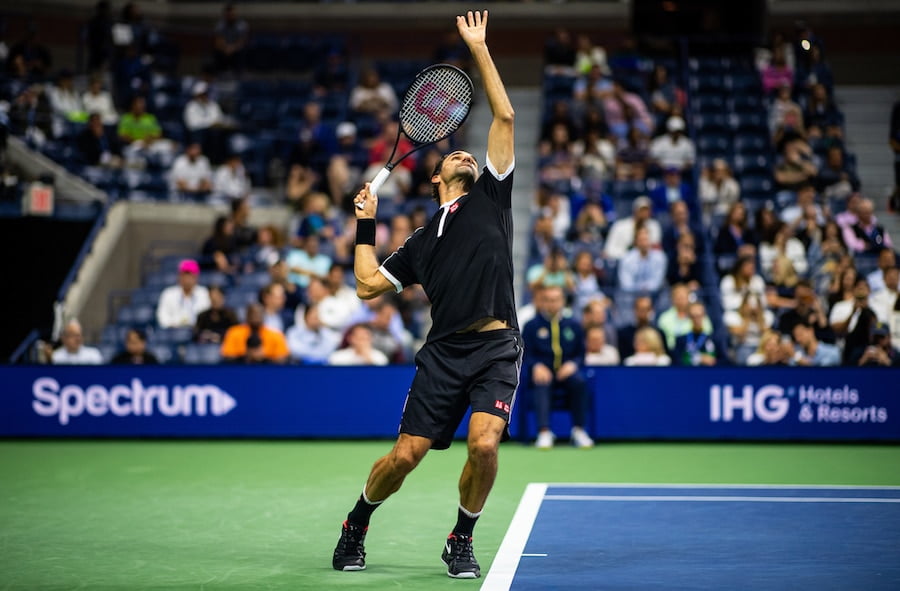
696	211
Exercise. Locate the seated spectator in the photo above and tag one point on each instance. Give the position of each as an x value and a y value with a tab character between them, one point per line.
596	162
586	281
672	190
229	41
880	352
772	350
359	350
783	281
680	225
96	147
866	236
214	322
98	100
332	75
279	273
237	344
201	112
597	313
643	318
558	163
718	190
191	174
809	351
820	110
622	233
230	179
781	105
806	198
777	73
180	304
625	109
734	233
373	96
65	100
887	259
311	342
597	351
31	115
633	156
219	251
840	286
554	353
746	325
648	349
642	269
73	350
275	314
135	352
265	251
589	228
141	134
389	335
588	55
814	71
307	262
676	321
673	150
347	164
553	271
743	279
808	310
244	233
666	99
836	181
696	347
593	87
854	320
795	167
780	241
684	266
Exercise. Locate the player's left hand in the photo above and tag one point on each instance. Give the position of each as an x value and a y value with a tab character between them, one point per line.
369	203
472	27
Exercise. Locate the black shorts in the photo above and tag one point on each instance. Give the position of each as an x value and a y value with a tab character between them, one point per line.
477	369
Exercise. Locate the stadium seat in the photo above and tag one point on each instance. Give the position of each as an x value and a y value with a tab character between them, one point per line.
202	354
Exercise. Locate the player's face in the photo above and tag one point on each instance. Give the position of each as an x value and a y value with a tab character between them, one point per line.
461	163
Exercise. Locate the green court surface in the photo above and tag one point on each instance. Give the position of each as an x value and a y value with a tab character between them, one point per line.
139	515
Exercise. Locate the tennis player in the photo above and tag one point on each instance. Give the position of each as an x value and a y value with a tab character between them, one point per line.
471	358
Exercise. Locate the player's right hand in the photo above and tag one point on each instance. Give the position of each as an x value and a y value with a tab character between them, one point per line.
368	201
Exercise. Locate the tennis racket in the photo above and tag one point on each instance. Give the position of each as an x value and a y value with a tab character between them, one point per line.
433	107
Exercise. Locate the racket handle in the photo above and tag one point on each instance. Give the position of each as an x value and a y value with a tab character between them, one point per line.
379	179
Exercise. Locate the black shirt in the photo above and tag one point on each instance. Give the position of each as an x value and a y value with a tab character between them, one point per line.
463	258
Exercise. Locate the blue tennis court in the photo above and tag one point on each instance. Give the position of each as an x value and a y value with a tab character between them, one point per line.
598	536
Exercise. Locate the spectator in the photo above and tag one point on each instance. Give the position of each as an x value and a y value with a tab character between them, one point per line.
73	350
558	162
275	314
34	55
781	105
674	150
98	100
265	252
307	262
597	351
679	226
732	236
559	53
780	241
820	110
347	163
596	161
777	73
388	333
625	109
340	311
589	228
229	40
214	322
796	165
887	259
596	313
809	351
780	289
642	269
806	198
311	342
648	349
866	235
772	350
191	174
65	100
586	281
808	310
342	292
201	113
718	190
180	304
836	181
554	353
676	321
633	157
244	233
622	233
592	88
643	318
684	266
666	99
746	326
880	353
814	72
96	147
359	350
884	301
373	96
841	283
696	347
135	352
587	55
553	271
231	180
279	272
331	75
742	280
854	319
236	345
220	252
671	191
31	115
139	126
560	114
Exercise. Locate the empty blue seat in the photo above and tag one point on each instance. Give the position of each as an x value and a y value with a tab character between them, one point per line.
202	354
757	183
753	122
752	143
711	122
713	142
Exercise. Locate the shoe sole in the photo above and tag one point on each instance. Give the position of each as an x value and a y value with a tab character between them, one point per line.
352	567
466	575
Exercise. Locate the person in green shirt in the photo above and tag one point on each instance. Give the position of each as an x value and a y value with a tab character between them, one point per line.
137	125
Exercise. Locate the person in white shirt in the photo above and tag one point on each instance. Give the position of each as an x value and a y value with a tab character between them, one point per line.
97	100
191	174
742	280
180	304
200	112
372	95
597	350
718	190
642	269
64	100
360	350
648	349
73	350
231	178
886	259
884	301
621	234
674	149
311	342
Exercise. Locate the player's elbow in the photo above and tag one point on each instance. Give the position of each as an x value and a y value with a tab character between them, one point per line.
506	115
366	290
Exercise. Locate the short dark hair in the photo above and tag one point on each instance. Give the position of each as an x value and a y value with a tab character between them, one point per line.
435	193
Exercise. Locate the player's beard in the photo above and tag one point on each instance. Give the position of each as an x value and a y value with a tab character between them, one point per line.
465	176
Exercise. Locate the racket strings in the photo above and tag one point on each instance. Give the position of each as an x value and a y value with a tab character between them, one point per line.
436	104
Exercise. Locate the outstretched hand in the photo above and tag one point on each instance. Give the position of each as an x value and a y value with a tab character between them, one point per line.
472	27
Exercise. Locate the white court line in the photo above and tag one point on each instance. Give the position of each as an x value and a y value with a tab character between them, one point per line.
503	569
718	499
721	486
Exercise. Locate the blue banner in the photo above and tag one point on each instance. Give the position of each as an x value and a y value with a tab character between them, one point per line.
366	402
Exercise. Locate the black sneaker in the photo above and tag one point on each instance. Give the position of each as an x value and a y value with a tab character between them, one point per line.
459	557
350	553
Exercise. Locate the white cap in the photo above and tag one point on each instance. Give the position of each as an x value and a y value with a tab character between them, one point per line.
642	201
200	88
345	129
675	124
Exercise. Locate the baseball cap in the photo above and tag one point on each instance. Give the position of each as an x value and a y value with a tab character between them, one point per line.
642	201
200	88
189	266
675	124
345	129
880	330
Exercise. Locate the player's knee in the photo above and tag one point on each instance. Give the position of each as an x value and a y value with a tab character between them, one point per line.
483	449
404	460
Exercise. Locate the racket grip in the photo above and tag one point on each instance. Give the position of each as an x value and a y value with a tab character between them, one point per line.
379	179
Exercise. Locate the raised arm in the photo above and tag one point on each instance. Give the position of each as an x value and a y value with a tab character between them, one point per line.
370	282
472	29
